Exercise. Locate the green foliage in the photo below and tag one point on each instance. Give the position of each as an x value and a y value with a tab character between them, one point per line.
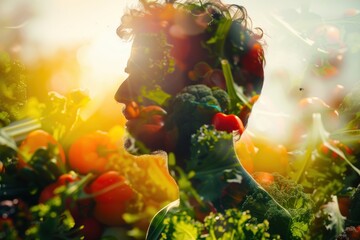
299	204
181	226
349	110
191	108
212	160
60	114
263	207
12	89
232	224
217	170
210	150
235	224
54	222
329	222
43	168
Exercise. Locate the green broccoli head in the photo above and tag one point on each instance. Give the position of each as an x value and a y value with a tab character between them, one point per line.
191	108
263	207
291	196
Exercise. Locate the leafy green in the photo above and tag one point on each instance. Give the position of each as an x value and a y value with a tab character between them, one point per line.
182	227
292	197
312	169
232	224
60	114
13	93
53	222
191	108
235	224
329	222
210	150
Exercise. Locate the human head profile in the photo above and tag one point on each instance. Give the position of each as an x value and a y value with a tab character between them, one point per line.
181	43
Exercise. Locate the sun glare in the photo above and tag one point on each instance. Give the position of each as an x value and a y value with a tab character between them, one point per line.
102	62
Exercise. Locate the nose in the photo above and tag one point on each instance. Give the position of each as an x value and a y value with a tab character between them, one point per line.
123	94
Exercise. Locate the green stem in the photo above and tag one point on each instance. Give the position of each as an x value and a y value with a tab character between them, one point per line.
235	97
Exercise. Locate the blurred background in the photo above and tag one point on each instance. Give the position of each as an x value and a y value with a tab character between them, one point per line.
312	49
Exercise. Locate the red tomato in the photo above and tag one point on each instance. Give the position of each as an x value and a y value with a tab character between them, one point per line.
324	149
110	214
92	228
48	192
344	203
81	208
147	128
118	189
35	140
111	194
228	123
91	152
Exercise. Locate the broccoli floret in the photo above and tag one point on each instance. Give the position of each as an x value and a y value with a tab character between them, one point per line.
263	207
235	224
12	89
191	108
179	224
291	196
223	99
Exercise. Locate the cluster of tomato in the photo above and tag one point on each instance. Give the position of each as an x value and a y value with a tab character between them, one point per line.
119	183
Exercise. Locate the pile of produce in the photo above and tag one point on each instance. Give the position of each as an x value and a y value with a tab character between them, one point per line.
182	165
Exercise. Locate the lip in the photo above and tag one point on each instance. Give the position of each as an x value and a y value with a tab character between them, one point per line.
131	110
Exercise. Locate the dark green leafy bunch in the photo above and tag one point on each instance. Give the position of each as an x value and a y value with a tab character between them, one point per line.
232	224
12	89
236	224
181	226
322	181
53	222
263	207
28	181
329	221
299	204
191	108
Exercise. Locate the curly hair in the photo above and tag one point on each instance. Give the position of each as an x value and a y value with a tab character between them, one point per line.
210	22
132	22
